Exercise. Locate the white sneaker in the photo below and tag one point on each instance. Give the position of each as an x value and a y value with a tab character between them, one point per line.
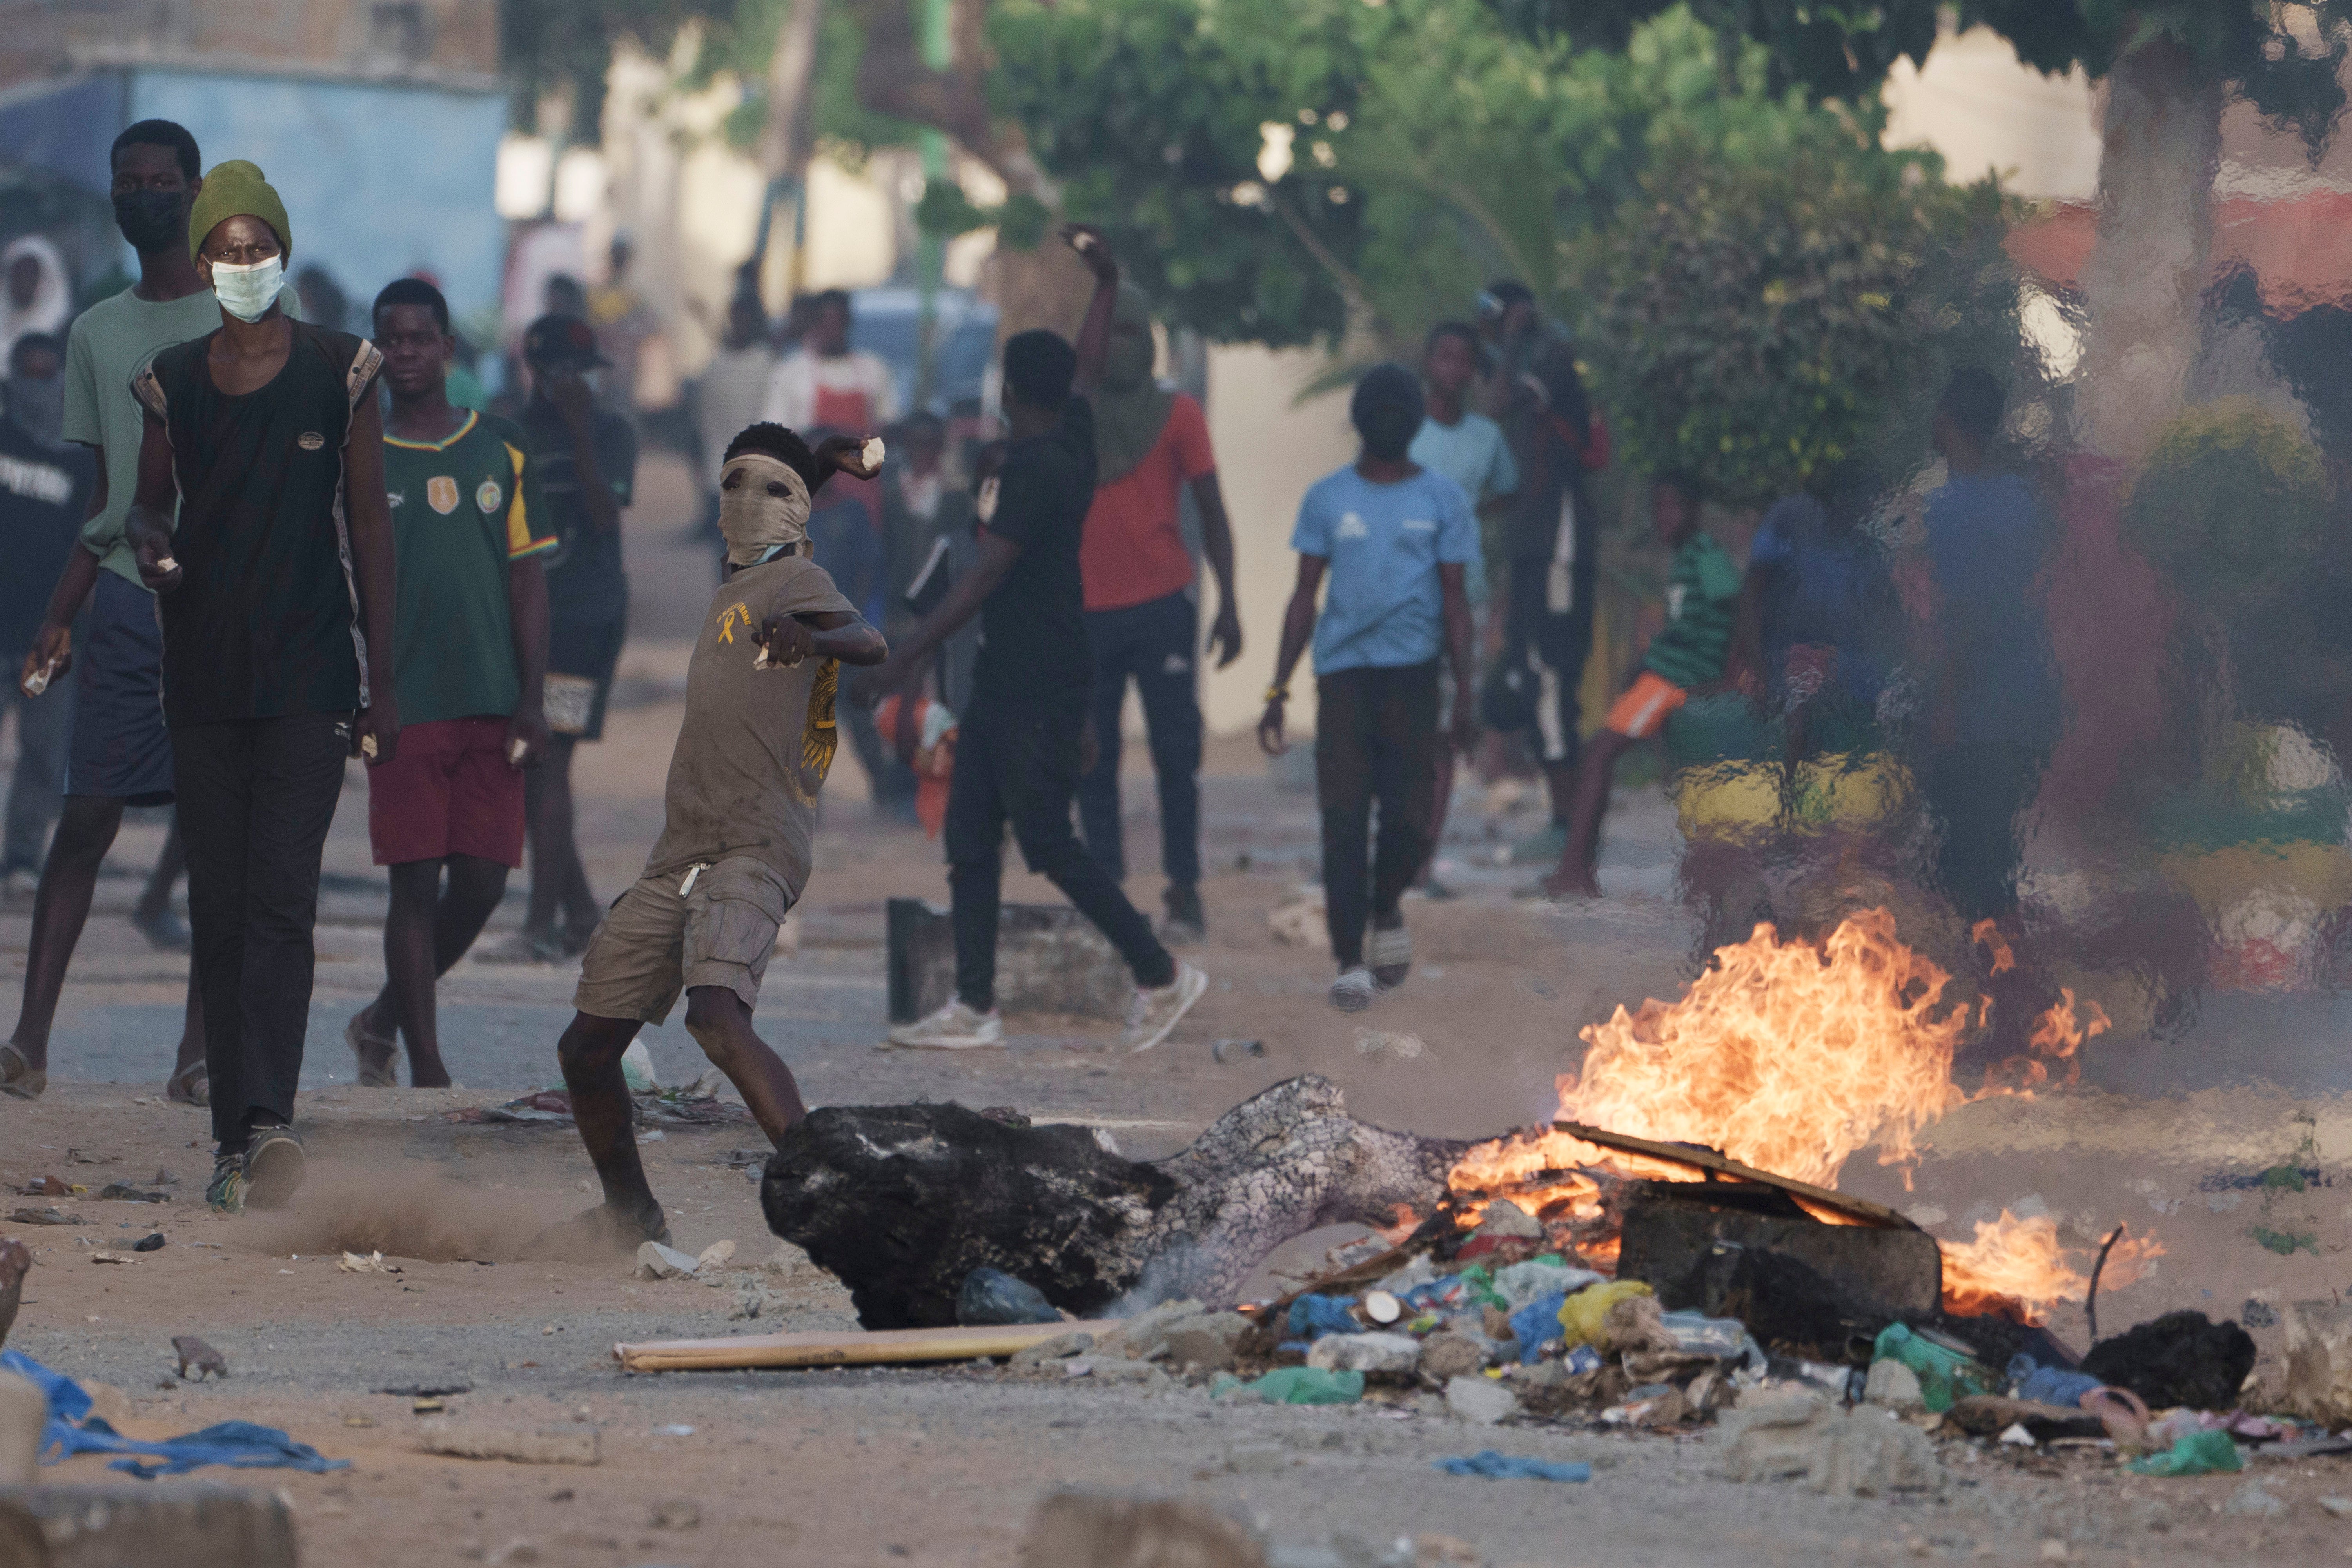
1156	1011
955	1028
1352	992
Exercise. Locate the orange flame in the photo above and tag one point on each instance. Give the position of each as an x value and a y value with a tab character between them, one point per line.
2058	1034
2020	1263
1784	1055
1986	935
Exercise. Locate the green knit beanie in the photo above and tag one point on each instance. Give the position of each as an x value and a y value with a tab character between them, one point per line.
236	189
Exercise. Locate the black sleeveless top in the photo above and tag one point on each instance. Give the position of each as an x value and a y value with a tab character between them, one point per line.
265	622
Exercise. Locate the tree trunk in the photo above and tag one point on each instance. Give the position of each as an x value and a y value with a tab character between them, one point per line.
784	140
901	1201
2144	283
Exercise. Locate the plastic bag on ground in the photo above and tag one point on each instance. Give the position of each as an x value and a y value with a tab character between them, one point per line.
1580	1315
1535	1324
1695	1334
1496	1467
1312	1317
2197	1454
1522	1284
1294	1385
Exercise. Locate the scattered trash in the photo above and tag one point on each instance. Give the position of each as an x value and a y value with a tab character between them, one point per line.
673	1431
426	1390
991	1297
1366	1353
1312	1317
124	1193
2195	1453
1581	1315
2180	1358
1293	1386
657	1261
50	1187
2017	1436
110	1255
194	1353
570	1445
71	1428
2028	1379
1391	1043
1495	1467
44	1217
431	1405
1223	1051
637	1067
150	1243
1946	1371
374	1263
1382	1308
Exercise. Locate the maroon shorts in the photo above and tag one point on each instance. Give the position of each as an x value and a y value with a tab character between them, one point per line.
447	790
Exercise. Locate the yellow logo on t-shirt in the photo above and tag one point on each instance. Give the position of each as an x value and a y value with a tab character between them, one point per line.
738	613
489	496
441	494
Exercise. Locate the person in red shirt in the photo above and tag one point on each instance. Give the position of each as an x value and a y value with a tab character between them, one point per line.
1151	444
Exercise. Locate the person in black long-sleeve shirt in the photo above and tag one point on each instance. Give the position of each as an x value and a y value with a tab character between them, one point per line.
1023	742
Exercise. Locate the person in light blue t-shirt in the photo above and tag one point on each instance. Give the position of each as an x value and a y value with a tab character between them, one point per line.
1397	541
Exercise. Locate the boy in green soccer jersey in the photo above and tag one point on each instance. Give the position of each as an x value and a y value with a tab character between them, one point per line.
1702	592
470	657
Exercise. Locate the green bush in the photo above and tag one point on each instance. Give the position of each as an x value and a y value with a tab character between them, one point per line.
2233	507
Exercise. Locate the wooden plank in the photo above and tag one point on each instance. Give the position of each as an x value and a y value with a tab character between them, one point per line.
1862	1210
881	1347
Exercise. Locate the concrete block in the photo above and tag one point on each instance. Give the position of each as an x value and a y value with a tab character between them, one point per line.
2319	1361
184	1524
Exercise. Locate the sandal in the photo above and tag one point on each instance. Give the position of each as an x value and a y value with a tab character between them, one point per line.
375	1053
18	1076
192	1085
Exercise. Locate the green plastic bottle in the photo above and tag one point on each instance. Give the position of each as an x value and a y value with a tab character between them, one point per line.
1945	1374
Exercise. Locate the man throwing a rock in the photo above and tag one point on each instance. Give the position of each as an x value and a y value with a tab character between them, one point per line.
733	857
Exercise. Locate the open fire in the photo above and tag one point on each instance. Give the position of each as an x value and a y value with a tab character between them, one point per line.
1791	1058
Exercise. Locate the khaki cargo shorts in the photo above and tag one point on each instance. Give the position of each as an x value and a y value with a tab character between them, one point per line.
665	935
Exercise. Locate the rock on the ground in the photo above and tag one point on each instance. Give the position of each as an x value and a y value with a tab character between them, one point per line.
715	1257
1045	1352
1893	1386
185	1525
1481	1401
1365	1352
2255	1501
656	1261
1859	1453
1445	1357
1077	1530
1204	1340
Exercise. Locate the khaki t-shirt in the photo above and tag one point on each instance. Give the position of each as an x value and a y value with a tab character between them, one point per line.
756	743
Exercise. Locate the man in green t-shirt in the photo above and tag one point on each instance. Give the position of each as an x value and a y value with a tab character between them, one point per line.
1687	653
469	657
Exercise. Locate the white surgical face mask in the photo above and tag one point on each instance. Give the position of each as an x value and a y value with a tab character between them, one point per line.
248	292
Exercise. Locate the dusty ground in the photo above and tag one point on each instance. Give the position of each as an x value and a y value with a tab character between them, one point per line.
943	1465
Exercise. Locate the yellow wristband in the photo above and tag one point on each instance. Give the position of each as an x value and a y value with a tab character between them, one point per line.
1277	694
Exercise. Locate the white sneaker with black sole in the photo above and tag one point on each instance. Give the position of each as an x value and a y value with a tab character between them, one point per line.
1159	1009
1390	952
955	1028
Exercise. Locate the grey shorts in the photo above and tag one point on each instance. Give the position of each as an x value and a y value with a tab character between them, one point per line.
655	940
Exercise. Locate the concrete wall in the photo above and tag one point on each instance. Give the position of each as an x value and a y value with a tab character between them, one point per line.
379	180
1269	448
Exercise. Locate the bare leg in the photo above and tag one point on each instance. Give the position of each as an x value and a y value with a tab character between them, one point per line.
722	1025
560	906
591	1054
86	830
1441	802
1560	782
426	931
1574	876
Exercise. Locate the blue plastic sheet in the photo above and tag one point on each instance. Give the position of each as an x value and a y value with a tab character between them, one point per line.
1312	1317
1495	1467
239	1445
2049	1385
1535	1324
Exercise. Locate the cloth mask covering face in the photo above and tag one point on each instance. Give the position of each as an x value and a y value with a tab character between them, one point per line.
754	520
152	220
248	292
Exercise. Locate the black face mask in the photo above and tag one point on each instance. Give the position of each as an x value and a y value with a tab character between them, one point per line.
151	220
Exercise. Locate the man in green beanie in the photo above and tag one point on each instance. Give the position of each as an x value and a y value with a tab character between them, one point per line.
274	591
1143	617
